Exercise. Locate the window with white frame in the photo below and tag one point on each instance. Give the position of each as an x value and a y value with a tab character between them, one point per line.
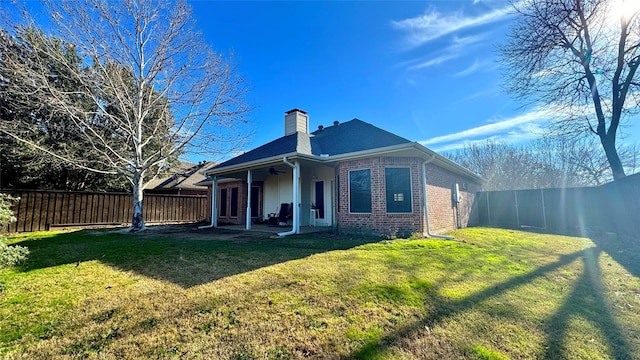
360	191
398	190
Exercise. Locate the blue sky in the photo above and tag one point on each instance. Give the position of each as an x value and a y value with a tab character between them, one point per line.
426	70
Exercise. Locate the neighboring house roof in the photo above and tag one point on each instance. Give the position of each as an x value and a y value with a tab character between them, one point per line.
333	143
185	176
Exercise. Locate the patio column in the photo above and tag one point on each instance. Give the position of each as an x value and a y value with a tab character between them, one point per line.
296	198
248	200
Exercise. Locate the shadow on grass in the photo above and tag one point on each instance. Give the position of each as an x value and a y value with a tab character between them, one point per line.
177	258
586	299
625	251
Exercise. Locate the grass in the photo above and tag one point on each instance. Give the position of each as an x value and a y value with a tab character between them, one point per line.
491	294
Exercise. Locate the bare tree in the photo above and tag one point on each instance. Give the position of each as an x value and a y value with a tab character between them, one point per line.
503	166
576	55
548	162
577	161
148	87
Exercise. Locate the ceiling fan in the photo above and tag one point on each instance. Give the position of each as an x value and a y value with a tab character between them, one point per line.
274	171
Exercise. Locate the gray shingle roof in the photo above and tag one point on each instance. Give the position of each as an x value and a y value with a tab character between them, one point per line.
351	136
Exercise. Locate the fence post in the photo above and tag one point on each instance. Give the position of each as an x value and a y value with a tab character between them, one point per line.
33	213
488	209
515	195
544	212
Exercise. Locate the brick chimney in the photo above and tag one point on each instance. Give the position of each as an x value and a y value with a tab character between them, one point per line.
296	120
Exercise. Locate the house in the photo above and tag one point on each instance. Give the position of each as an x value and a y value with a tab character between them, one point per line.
183	179
350	175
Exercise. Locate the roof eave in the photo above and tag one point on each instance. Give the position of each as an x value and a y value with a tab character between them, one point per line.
441	160
272	160
450	165
365	153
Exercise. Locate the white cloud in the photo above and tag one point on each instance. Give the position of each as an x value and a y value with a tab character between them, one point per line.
433	25
520	128
475	67
491	91
435	61
453	51
509	138
461	43
491	129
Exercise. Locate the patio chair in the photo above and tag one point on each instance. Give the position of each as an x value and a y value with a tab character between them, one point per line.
286	213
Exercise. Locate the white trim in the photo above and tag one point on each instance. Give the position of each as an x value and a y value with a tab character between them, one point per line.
296	198
273	160
326	198
248	217
439	159
214	197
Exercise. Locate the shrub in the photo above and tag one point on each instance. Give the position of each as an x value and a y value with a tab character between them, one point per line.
9	255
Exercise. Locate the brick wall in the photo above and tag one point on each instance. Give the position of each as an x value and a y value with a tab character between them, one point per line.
379	221
242	202
443	214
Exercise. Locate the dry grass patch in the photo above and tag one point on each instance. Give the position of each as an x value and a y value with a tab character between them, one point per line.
492	294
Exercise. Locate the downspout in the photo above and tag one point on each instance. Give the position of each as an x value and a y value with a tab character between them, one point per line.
248	224
426	202
214	215
296	211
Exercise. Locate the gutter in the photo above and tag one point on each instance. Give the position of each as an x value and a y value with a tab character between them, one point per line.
444	162
368	152
214	216
426	202
273	160
295	229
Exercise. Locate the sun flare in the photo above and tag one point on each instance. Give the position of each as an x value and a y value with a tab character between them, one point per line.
623	8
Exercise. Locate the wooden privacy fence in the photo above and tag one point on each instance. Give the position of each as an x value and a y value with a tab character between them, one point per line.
42	210
613	207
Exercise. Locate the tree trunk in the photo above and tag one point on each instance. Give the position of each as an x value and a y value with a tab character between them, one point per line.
137	223
609	145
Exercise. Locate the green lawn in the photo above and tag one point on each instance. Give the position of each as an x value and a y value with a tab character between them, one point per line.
491	294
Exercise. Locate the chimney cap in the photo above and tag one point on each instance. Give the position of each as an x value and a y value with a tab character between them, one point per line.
294	110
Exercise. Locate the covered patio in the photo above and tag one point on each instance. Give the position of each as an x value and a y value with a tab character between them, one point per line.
276	229
249	195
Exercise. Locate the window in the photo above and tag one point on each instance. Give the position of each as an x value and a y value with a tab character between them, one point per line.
234	202
223	202
360	191
398	188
